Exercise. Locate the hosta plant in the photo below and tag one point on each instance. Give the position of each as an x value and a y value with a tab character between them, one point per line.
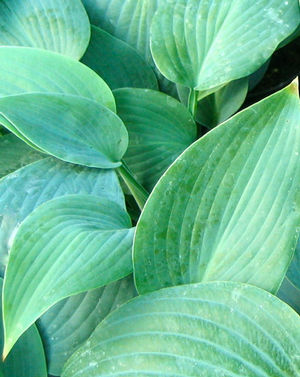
149	217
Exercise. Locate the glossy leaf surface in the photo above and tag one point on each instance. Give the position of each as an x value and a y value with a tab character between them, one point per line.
159	129
27	357
66	246
117	62
55	74
205	44
55	25
227	208
70	322
71	128
25	189
216	329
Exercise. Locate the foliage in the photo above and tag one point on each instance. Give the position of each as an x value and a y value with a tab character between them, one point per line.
106	102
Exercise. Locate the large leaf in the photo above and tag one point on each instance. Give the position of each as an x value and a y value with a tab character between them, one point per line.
74	129
204	44
227	208
55	74
216	329
27	358
70	322
290	288
56	25
117	62
24	190
66	246
14	154
159	128
219	106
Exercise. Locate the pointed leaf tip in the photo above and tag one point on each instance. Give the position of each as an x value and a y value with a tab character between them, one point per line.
294	86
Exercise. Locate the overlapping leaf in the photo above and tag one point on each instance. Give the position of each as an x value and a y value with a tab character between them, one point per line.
66	246
24	190
117	62
74	129
55	74
14	154
216	329
55	25
227	209
204	44
70	322
27	357
159	128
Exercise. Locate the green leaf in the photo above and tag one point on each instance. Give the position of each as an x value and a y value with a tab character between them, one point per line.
227	208
56	74
159	129
74	129
27	358
24	190
216	329
290	288
70	322
219	106
117	62
14	154
66	246
205	44
55	25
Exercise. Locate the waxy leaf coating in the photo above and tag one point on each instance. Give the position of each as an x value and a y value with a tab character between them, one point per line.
66	246
215	329
227	208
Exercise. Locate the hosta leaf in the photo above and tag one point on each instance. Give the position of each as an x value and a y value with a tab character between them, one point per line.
24	190
226	209
14	154
205	44
55	25
70	322
27	358
71	128
56	74
290	288
216	329
66	246
219	106
159	128
117	62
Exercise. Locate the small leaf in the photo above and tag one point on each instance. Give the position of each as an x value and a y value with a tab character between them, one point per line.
159	128
216	329
71	128
27	358
15	154
227	208
55	25
66	246
205	44
219	106
117	62
25	189
70	322
56	74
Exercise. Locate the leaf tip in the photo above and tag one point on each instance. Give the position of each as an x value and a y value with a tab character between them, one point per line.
294	86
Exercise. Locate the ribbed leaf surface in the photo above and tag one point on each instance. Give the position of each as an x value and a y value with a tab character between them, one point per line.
55	25
70	322
216	329
71	128
227	208
55	74
24	190
117	62
66	246
159	129
204	44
